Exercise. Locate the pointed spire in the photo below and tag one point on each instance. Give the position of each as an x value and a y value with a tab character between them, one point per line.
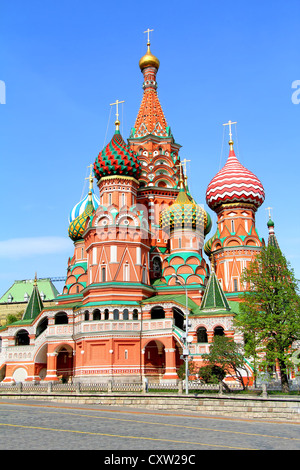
214	297
35	304
150	118
272	240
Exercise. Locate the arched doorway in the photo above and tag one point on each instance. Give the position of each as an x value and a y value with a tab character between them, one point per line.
64	364
154	359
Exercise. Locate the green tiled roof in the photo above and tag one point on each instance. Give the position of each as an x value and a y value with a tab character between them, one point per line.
34	306
214	297
18	290
180	299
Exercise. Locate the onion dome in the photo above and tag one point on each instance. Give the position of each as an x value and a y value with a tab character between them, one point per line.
84	210
117	159
80	207
149	60
77	227
272	240
184	213
234	184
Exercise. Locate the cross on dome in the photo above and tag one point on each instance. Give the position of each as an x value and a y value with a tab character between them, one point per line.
148	31
229	124
117	122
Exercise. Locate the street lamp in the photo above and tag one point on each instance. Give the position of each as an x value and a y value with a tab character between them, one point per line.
185	351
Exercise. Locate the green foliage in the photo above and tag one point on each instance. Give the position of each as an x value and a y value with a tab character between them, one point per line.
11	318
211	374
226	354
270	311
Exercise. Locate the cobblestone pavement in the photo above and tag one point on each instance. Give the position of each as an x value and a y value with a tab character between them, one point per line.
123	432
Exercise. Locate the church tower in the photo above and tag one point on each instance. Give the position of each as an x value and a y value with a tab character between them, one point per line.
234	194
158	153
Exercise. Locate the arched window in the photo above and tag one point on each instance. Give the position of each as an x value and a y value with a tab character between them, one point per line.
61	318
125	314
202	335
106	314
219	331
103	274
22	338
86	315
116	314
96	314
135	314
157	312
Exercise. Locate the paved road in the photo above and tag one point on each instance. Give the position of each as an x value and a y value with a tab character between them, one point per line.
36	425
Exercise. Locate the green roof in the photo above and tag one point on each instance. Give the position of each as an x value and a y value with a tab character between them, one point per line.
34	306
214	297
17	292
179	299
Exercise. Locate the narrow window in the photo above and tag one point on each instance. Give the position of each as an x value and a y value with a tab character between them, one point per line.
116	314
126	272
103	274
113	254
135	314
138	255
94	255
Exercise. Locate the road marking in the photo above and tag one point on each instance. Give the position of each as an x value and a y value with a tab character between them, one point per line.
125	437
198	428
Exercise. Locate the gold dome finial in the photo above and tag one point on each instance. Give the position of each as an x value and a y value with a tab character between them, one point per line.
148	60
229	123
91	180
117	122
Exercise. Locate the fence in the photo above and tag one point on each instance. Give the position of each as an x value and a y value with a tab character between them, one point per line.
118	387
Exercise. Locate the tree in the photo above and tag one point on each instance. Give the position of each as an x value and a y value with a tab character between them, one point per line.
270	311
226	355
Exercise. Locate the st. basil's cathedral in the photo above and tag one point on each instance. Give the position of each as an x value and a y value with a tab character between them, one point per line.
138	279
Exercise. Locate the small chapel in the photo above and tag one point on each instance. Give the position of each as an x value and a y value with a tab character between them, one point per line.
139	294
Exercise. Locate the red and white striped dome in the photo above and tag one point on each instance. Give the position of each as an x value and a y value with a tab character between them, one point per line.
234	184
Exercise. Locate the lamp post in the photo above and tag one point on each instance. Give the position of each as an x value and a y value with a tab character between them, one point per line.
186	351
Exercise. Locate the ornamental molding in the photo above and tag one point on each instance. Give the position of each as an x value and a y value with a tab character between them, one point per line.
211	323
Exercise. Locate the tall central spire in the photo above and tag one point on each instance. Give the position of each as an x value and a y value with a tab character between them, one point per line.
150	118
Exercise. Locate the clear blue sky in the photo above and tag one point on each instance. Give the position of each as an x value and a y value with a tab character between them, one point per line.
63	62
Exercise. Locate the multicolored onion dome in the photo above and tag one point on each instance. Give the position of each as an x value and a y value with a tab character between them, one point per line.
234	184
80	207
184	213
117	159
77	226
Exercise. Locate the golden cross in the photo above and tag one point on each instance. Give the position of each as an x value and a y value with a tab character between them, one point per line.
229	123
269	209
90	177
184	162
148	31
117	108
